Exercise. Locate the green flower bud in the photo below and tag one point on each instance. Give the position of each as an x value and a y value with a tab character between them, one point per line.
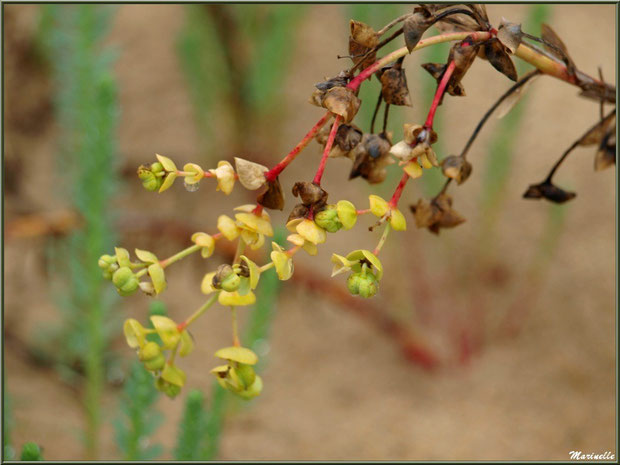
246	374
155	364
328	219
150	181
105	261
226	279
157	168
125	281
149	351
362	284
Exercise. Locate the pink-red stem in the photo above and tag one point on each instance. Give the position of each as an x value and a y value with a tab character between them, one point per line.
399	191
273	173
328	148
439	94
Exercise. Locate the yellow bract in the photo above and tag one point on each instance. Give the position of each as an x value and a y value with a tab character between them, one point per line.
358	255
135	334
378	206
341	264
311	232
226	225
206	287
205	241
413	169
238	354
166	162
234	299
309	247
397	220
167	331
283	263
347	213
198	173
225	175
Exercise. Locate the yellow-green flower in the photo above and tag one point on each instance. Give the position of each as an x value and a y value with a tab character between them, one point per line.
197	173
135	333
382	209
238	375
225	175
253	227
171	380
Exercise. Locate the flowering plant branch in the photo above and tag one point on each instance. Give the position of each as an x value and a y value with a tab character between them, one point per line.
232	284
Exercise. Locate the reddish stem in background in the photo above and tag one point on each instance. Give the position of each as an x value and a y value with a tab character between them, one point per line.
441	88
399	191
328	148
273	173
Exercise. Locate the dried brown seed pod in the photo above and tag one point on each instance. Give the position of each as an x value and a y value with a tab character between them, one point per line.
457	168
371	158
272	197
549	191
414	27
341	80
436	214
342	101
310	194
495	52
606	153
362	40
394	88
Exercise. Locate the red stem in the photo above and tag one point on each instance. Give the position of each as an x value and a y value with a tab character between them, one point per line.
273	173
328	148
441	88
399	191
258	210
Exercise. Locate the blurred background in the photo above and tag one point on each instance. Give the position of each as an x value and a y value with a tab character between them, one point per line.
494	340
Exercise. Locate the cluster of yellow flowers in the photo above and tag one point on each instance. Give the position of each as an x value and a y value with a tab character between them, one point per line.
233	284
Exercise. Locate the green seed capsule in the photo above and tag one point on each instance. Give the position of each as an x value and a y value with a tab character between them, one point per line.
125	281
364	285
328	219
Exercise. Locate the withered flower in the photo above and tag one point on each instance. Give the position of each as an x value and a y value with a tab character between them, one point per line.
311	194
394	88
416	143
457	168
549	191
348	136
436	214
371	158
362	40
463	54
341	80
272	196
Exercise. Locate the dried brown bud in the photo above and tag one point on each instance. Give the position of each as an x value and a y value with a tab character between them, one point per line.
299	211
342	101
394	85
510	35
548	191
463	54
436	214
457	168
414	28
310	194
272	197
495	52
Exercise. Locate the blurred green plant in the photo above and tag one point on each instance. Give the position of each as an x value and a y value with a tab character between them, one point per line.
8	452
87	111
31	452
241	52
192	431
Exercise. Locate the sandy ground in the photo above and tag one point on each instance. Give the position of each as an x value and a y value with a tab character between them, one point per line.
336	388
